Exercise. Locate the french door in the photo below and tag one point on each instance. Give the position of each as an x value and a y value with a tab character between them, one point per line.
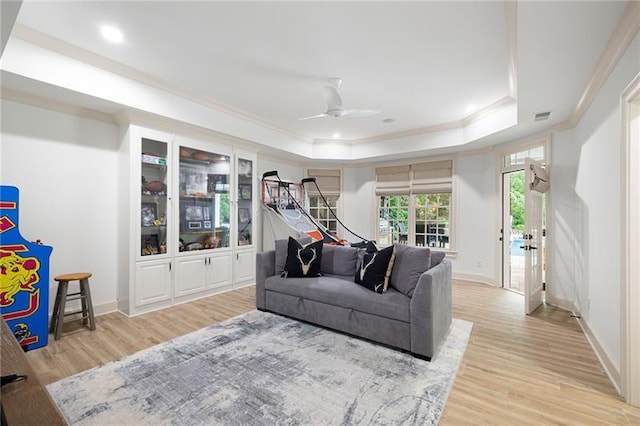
536	183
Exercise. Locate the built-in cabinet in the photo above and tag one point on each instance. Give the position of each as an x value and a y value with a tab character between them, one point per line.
189	225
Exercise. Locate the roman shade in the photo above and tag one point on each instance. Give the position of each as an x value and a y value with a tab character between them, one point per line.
431	177
421	178
328	181
393	180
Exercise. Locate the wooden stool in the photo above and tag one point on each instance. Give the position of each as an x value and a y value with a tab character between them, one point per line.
84	295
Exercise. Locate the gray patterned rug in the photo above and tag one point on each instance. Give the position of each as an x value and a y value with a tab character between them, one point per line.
261	368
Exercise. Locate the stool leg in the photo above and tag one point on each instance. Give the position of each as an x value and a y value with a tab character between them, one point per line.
56	311
84	284
83	299
64	285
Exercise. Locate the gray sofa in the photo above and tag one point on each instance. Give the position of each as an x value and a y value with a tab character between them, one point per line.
414	314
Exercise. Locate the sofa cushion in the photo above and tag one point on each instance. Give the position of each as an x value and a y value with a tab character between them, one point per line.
409	264
340	260
281	252
303	260
374	269
341	291
436	258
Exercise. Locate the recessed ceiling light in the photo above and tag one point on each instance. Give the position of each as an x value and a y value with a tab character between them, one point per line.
471	108
112	34
336	135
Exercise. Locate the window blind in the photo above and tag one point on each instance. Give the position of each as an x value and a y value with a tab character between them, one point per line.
431	177
328	181
392	180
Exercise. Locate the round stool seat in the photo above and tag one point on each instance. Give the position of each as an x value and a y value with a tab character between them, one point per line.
73	276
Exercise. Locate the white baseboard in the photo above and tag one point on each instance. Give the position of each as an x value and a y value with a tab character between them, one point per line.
483	279
101	309
603	356
105	308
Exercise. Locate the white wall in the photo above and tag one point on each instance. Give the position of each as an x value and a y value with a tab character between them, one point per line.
478	206
565	223
65	168
358	210
287	171
588	206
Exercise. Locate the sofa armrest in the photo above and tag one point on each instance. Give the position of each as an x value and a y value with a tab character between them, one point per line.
265	268
430	310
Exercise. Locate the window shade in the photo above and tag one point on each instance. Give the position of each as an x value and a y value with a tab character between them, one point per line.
328	181
392	180
432	177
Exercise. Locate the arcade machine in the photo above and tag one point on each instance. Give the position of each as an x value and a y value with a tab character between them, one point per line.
24	277
286	198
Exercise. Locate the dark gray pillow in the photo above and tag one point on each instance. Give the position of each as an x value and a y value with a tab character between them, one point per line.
436	258
281	252
410	263
339	260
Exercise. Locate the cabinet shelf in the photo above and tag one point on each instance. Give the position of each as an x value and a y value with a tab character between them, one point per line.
154	160
195	197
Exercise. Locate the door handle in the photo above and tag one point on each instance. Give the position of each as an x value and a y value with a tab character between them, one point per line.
533	248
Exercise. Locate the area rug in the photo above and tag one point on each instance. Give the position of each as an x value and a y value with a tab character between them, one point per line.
261	368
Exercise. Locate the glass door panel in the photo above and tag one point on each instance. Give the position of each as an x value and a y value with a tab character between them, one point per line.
204	200
245	197
153	206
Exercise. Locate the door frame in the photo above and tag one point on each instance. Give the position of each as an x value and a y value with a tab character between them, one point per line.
630	238
544	140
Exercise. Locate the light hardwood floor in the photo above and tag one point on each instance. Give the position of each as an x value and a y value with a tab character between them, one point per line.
516	370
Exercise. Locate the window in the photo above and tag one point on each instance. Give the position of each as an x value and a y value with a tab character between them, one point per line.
517	158
393	219
415	204
432	219
319	211
328	181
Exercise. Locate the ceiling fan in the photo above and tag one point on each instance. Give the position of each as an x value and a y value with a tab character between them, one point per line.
334	104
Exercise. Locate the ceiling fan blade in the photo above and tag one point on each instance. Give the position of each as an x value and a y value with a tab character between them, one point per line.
314	116
334	101
361	112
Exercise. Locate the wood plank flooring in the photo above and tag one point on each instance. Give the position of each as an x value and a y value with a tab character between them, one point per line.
517	369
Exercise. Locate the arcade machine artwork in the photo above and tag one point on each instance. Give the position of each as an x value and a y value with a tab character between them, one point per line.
24	277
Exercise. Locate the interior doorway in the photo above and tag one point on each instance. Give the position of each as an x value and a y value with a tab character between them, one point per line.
513	215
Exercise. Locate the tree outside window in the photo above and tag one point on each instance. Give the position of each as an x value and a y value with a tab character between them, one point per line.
432	220
393	219
430	226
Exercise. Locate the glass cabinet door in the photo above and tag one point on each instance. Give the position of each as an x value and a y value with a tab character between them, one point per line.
245	197
153	208
204	200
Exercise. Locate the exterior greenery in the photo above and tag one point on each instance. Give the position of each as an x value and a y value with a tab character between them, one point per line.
517	200
430	225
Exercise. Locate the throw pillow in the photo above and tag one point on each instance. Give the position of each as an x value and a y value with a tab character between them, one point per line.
281	248
339	260
410	263
303	260
375	269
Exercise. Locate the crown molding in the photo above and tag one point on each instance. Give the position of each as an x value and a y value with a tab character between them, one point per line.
619	41
46	103
61	47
